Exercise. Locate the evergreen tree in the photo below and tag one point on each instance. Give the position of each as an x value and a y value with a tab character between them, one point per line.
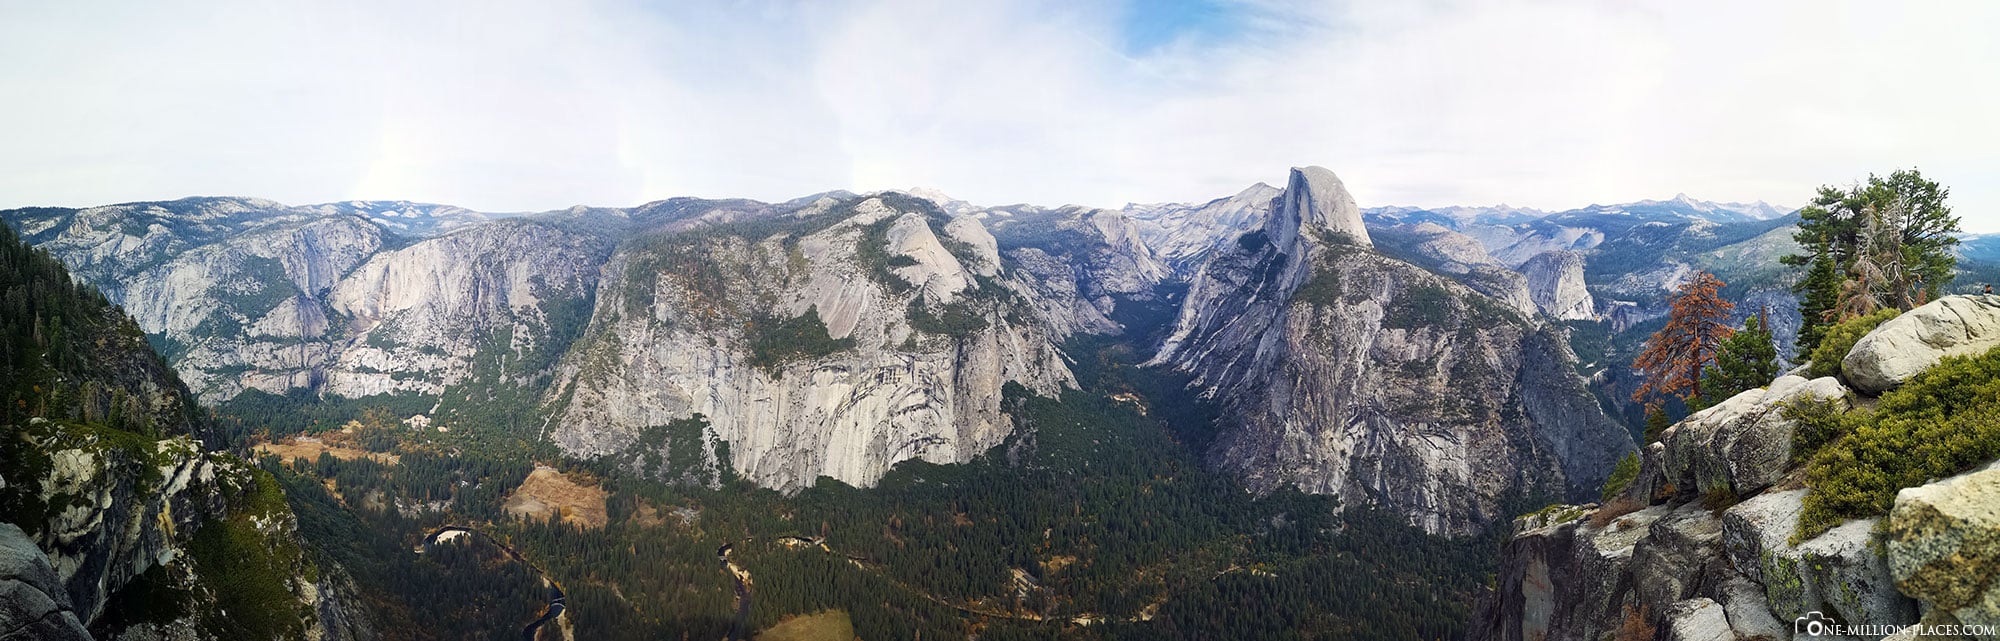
1819	293
1747	360
1675	356
1891	236
1656	421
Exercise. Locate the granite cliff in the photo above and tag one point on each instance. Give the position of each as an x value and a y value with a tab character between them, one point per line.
1363	376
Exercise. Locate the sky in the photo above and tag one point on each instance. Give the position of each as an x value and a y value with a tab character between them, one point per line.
520	105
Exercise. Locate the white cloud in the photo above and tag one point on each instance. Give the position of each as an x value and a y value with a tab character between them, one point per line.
526	105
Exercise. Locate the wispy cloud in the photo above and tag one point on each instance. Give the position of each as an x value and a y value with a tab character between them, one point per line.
515	105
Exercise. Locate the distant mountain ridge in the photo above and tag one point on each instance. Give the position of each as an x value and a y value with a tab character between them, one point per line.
1680	205
591	326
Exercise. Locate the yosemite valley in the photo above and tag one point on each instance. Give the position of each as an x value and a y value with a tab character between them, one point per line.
898	415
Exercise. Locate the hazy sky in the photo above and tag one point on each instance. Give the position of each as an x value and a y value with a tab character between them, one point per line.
526	105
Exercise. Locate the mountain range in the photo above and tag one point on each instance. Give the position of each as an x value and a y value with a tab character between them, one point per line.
591	324
1441	367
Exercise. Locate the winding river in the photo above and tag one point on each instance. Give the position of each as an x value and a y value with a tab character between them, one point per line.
738	630
558	601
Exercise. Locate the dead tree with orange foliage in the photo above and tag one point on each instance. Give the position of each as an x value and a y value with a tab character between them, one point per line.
1674	356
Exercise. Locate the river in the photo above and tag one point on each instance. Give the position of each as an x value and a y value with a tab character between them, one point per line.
558	601
738	630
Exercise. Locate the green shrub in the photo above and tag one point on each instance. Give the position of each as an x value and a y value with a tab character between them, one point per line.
1945	421
1720	498
1816	422
1840	339
1622	475
1657	423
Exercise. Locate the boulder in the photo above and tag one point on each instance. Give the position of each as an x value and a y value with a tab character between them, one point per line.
1651	486
1743	444
1680	548
1749	613
1853	578
1944	545
1840	572
33	603
1913	342
1698	619
1754	535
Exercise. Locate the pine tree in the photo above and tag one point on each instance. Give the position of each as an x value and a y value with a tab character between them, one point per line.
1818	293
1674	357
1747	360
1656	421
1890	239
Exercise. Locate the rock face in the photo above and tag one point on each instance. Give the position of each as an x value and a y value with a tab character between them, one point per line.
1315	198
419	316
33	602
906	324
250	294
1375	380
1944	547
1080	261
1184	236
1555	280
1916	340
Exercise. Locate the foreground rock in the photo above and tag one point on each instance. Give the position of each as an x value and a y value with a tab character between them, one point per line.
1944	546
1918	339
33	603
1743	444
1578	574
1690	571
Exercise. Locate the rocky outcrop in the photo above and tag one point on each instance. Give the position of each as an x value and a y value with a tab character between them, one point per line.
870	331
1366	377
1555	281
1565	578
118	507
1944	547
1913	342
1688	573
117	510
1742	572
1744	444
33	602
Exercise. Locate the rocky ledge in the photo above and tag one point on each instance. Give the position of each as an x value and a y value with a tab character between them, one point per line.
1678	556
